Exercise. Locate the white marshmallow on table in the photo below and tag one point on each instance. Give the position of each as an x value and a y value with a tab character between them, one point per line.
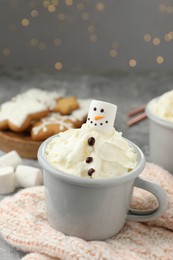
10	159
27	176
7	180
101	115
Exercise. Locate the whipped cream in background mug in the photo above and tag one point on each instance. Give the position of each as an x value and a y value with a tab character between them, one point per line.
160	113
163	106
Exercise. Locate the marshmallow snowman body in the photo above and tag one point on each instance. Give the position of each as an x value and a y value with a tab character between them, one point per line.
101	115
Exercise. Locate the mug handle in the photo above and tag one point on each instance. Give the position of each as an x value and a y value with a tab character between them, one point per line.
147	215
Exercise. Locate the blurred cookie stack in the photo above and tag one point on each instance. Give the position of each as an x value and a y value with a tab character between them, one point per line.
31	117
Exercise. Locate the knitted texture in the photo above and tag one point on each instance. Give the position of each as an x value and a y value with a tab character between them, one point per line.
23	224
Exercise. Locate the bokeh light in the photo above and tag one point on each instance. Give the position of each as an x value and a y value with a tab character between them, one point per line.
132	63
159	59
25	22
58	65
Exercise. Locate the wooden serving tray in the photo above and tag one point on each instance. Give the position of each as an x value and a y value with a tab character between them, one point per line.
20	142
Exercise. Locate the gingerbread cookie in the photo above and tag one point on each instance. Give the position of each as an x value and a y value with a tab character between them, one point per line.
55	122
66	105
24	108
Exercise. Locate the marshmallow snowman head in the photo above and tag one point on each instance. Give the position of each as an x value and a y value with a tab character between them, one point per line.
101	115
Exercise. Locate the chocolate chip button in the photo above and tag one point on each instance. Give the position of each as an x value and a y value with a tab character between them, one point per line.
91	171
91	141
89	159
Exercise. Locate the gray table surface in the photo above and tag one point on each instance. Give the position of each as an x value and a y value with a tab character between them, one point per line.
126	90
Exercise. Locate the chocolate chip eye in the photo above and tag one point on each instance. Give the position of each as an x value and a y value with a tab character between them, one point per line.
106	122
88	119
95	109
101	123
102	110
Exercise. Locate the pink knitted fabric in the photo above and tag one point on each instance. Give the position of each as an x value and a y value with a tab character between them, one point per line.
23	224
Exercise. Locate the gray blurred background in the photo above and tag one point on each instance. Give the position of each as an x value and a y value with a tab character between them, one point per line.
122	51
87	35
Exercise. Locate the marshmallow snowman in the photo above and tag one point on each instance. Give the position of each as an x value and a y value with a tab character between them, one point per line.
101	115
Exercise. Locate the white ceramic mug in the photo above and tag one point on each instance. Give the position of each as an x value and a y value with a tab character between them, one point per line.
160	139
95	208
